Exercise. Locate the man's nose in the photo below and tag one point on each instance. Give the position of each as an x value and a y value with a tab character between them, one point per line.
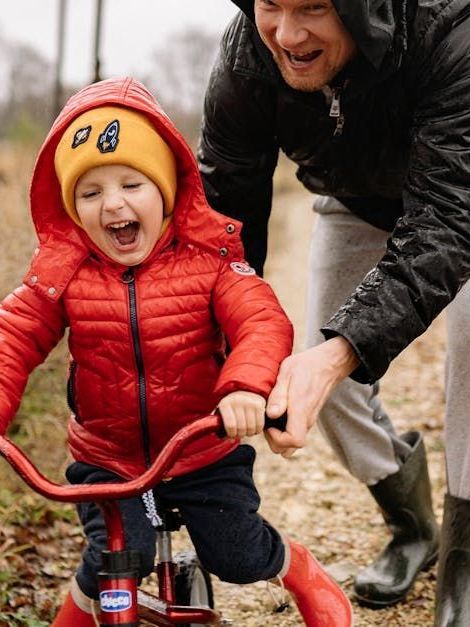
290	31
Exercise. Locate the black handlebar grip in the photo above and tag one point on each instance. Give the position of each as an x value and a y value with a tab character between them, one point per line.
269	423
276	423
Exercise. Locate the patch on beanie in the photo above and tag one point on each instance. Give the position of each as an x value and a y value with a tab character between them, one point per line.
109	138
81	136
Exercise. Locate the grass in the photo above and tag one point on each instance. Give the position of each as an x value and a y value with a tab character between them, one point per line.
17	619
18	237
40	424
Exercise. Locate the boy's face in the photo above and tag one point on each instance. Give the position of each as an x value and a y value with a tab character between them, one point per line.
121	210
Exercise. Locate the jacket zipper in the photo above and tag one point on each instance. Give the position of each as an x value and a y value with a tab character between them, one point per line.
129	278
335	111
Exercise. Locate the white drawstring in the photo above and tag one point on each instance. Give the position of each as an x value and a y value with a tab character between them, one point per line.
279	597
151	509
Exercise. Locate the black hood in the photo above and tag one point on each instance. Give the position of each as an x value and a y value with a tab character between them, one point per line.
372	23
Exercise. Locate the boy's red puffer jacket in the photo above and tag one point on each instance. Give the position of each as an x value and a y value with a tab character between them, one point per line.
146	342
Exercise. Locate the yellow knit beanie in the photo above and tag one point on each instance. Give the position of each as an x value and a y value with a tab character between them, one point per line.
113	136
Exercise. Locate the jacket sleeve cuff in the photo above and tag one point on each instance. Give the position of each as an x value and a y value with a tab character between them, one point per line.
369	369
260	383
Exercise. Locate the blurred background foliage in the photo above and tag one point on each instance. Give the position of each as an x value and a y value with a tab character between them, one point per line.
180	69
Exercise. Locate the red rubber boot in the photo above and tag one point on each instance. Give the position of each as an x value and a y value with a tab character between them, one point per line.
70	615
319	599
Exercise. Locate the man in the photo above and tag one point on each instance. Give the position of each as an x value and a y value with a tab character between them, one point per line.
372	102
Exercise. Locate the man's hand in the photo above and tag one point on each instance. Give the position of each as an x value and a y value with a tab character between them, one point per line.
242	413
304	383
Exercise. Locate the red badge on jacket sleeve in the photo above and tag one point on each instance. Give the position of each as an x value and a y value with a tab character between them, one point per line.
241	267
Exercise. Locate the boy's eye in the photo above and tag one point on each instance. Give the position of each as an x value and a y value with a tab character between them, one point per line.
89	193
131	185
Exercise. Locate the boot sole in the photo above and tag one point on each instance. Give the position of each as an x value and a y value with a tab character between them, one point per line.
377	605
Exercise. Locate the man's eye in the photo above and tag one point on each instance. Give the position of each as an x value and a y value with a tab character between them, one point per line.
317	7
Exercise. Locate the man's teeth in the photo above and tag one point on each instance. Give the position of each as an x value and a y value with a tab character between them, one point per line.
119	225
309	56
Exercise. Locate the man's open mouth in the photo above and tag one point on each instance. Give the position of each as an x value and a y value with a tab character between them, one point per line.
303	59
124	233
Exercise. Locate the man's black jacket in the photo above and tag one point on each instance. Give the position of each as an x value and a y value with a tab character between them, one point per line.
400	158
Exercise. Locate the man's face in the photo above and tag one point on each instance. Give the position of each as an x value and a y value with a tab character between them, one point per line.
307	39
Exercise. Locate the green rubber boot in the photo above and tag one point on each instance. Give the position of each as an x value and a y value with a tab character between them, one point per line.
453	575
405	501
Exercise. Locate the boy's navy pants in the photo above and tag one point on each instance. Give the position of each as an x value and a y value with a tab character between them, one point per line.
219	506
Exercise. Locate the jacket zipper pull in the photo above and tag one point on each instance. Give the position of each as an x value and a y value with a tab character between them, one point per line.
335	112
128	275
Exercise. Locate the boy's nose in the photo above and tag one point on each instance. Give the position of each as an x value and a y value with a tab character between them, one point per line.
290	32
113	200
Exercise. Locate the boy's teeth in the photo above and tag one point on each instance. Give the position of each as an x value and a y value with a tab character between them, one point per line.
119	225
124	232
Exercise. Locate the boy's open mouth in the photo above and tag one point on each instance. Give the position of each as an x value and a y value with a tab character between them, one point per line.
124	233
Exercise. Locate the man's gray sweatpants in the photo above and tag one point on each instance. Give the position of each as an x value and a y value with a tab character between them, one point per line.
344	248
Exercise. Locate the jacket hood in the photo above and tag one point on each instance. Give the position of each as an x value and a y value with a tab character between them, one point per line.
372	24
193	219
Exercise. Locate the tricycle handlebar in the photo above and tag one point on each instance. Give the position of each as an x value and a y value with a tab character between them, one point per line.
110	491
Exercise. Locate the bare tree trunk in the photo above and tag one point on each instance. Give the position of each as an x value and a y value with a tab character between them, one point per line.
99	13
57	104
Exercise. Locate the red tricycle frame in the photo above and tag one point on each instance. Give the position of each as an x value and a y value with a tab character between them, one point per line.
121	603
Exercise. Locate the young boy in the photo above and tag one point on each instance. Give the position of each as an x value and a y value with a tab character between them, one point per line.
150	281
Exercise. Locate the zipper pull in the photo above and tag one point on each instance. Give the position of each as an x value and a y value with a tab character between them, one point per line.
335	107
128	275
335	112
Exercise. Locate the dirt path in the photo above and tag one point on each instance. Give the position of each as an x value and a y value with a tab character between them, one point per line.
311	497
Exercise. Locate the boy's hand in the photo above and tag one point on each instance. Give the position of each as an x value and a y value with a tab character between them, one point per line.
242	413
